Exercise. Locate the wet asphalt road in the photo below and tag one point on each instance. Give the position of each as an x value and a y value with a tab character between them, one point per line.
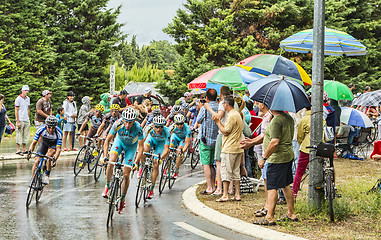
72	208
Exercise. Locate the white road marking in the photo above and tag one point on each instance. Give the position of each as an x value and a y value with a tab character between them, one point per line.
197	231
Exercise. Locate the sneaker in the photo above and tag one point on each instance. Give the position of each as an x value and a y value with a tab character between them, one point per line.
121	207
150	194
174	176
95	153
45	180
105	192
140	172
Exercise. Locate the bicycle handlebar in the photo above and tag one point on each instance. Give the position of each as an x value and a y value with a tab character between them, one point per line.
152	154
118	163
41	155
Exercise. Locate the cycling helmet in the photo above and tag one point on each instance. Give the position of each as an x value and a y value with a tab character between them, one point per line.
156	112
179	118
325	96
51	121
187	94
100	107
129	114
176	108
115	107
159	121
154	107
185	106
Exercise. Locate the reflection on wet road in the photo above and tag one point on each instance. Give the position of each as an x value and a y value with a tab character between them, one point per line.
72	208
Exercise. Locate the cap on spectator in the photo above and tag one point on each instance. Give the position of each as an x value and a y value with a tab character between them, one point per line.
325	96
123	92
45	92
147	90
70	93
187	94
25	88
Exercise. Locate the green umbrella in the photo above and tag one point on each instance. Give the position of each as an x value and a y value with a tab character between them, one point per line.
337	90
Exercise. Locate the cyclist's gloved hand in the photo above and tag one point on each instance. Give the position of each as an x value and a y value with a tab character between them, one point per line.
104	160
54	161
28	155
135	167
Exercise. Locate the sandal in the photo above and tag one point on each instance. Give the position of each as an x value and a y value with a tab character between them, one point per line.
222	200
234	199
287	218
261	213
264	222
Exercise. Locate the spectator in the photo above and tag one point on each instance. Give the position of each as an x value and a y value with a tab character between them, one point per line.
3	116
279	154
265	113
231	153
105	101
328	113
187	97
367	89
70	111
352	87
61	118
246	97
83	112
208	134
43	108
121	100
22	112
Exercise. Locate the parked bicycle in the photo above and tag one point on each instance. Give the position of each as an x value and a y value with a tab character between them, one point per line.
325	152
115	192
145	181
168	169
36	185
89	155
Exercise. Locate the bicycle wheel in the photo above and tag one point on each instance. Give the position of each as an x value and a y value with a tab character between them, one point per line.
141	189
32	188
329	194
39	187
92	160
98	166
80	160
195	157
171	171
163	176
112	201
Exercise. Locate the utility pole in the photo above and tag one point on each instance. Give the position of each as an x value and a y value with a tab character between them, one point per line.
112	79
315	196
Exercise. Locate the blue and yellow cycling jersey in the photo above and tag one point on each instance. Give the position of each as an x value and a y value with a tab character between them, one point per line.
164	137
128	137
183	133
50	140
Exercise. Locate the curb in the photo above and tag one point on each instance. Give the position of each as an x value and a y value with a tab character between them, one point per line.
191	201
12	157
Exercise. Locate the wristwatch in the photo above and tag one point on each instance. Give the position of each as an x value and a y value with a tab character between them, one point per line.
264	158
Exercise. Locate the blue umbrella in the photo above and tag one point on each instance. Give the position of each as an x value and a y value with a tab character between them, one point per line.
279	93
354	117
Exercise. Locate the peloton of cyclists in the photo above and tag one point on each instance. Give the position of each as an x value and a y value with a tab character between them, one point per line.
51	142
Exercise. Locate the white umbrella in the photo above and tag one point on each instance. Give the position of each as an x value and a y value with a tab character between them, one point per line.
354	117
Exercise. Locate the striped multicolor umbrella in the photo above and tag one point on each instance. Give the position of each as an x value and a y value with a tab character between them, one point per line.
354	117
336	43
267	64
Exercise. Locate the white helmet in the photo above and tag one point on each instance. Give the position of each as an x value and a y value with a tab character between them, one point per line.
179	118
176	108
129	114
159	120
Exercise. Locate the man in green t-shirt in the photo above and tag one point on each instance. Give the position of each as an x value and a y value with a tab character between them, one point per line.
279	153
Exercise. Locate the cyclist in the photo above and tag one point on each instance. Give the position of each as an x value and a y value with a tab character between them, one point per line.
193	113
157	139
129	138
155	111
175	110
50	144
180	139
109	119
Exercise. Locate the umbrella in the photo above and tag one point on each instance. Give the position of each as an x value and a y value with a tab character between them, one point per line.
336	43
337	90
198	91
354	117
267	64
368	99
233	76
279	93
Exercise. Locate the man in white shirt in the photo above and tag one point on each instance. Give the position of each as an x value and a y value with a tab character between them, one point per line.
22	112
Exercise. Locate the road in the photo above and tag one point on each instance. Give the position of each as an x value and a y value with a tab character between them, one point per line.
72	208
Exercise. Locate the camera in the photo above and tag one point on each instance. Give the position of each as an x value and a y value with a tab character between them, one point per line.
203	101
203	139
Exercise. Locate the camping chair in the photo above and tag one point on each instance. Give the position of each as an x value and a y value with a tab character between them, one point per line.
362	145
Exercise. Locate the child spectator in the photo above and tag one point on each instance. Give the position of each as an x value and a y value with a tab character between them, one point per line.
60	117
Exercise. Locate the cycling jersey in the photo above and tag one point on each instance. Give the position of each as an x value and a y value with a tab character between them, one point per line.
109	120
194	113
48	140
95	122
126	140
158	141
179	135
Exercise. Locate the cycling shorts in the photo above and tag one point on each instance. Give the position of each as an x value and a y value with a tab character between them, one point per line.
43	148
176	141
157	145
129	151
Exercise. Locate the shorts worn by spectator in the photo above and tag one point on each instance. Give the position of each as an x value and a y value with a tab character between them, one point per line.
22	112
70	113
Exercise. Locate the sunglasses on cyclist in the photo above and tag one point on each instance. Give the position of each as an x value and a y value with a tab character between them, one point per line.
159	127
179	124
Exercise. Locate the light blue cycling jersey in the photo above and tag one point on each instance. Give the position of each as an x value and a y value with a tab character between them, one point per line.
163	138
128	137
185	132
50	140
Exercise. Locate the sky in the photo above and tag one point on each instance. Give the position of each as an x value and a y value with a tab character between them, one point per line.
146	18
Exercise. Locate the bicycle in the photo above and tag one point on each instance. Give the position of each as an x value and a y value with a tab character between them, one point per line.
86	156
324	152
195	151
100	167
115	192
145	181
167	170
36	185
